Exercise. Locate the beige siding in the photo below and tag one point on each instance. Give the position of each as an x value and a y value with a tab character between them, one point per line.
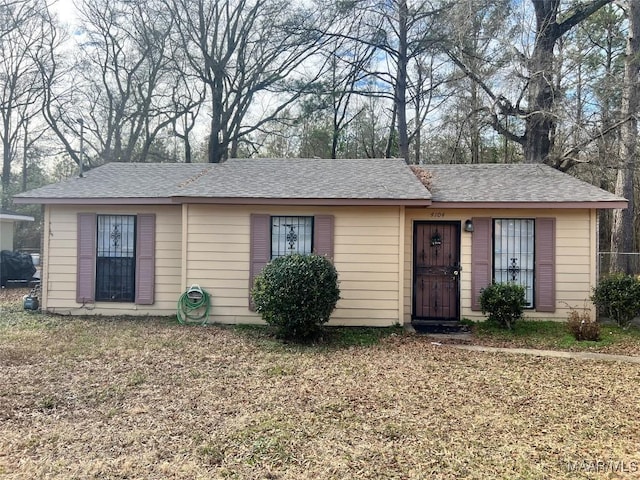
366	253
575	256
59	275
208	245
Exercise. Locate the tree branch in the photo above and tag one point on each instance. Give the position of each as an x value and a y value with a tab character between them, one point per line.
567	160
579	13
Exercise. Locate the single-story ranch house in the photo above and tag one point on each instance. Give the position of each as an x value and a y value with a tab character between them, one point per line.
409	243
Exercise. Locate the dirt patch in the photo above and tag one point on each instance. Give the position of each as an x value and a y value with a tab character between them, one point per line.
12	295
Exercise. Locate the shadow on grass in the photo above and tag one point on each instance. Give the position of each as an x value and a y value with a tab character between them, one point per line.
330	337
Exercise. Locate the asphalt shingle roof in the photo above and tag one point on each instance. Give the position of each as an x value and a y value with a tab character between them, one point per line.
122	180
386	179
511	183
319	179
305	178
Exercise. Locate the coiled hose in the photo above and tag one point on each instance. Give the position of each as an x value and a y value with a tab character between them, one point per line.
194	305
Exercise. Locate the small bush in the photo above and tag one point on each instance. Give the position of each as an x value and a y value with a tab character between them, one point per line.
504	302
582	327
296	294
618	297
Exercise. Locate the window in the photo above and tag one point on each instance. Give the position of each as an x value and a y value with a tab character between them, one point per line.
513	253
311	234
116	258
105	270
291	235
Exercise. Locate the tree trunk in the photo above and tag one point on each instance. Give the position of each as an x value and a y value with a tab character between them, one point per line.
25	147
187	149
215	146
401	82
6	171
622	234
539	122
392	135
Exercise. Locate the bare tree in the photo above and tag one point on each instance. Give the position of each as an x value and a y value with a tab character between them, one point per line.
335	101
475	26
241	49
622	235
411	30
540	87
123	89
23	34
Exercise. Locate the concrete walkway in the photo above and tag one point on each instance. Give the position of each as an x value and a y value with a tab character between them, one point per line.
451	338
605	357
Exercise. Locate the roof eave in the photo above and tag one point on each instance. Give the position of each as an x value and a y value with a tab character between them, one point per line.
598	204
94	201
16	218
415	202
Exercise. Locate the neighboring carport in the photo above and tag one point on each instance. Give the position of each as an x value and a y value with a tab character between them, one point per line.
7	224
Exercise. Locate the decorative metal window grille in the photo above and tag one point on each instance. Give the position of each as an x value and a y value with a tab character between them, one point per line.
291	235
116	258
513	253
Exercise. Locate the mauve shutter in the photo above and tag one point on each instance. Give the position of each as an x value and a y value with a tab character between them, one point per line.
145	258
323	235
259	248
481	247
545	273
86	252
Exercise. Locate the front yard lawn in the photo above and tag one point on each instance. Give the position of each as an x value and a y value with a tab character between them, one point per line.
554	336
149	398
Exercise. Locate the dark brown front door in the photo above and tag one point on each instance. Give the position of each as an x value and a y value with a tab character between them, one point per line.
436	272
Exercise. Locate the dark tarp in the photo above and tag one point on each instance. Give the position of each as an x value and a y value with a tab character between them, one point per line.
15	266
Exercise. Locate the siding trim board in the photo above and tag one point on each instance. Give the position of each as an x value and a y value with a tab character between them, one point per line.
151	201
317	202
530	205
324	201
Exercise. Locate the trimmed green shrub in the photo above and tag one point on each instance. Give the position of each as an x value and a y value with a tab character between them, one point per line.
582	327
296	294
504	302
618	297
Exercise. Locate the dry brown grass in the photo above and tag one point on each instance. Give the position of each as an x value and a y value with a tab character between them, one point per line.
147	398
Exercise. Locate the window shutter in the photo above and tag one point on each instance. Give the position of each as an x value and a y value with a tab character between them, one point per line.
545	273
323	235
481	248
86	261
145	258
259	248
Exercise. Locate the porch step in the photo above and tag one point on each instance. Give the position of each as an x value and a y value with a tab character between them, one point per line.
425	326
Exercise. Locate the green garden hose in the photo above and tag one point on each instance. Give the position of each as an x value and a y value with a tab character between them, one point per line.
194	305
